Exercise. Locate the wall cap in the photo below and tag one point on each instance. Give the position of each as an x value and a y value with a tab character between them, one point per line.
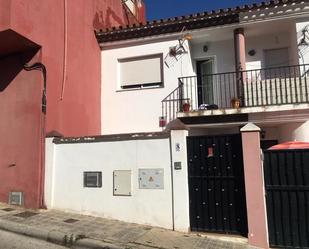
111	138
250	127
176	124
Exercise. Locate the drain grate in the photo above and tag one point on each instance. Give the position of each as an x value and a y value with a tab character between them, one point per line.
70	221
8	209
26	214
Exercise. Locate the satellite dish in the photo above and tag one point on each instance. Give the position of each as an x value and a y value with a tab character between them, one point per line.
177	51
303	43
304	37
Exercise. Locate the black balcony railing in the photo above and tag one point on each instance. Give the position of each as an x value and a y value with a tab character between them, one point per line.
251	88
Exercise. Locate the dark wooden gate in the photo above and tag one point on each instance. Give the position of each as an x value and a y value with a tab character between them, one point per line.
216	184
287	197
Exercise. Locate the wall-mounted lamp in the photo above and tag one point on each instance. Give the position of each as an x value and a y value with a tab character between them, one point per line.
205	48
252	52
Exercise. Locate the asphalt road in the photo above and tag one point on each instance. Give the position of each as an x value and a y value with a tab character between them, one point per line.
14	241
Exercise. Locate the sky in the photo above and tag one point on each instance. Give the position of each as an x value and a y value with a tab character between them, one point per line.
157	9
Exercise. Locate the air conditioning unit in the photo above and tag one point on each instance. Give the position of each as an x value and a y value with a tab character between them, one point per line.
16	198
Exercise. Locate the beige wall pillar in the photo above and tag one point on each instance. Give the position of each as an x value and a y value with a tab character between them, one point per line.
240	60
240	49
180	180
254	182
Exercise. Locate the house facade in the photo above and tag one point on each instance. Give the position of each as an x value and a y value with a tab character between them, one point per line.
237	79
255	54
49	79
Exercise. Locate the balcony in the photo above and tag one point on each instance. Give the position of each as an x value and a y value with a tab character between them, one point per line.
237	90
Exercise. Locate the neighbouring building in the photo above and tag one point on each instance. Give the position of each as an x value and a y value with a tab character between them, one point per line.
57	38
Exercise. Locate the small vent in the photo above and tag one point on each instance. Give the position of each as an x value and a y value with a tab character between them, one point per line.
16	198
93	179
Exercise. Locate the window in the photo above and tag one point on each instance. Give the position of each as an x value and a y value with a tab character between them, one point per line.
276	62
131	5
92	179
141	72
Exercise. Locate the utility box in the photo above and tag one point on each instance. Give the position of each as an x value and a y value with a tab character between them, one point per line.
122	183
177	165
151	178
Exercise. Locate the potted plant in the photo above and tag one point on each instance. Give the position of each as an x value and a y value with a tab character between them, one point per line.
162	121
186	107
235	102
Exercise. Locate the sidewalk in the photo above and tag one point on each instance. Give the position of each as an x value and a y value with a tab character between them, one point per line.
81	231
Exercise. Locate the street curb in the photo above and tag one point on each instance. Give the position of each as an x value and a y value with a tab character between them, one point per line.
23	230
91	243
54	236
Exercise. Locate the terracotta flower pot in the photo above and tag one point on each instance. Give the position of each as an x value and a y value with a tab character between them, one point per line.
235	103
186	107
162	122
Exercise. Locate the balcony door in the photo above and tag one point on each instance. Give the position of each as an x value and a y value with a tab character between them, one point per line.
205	82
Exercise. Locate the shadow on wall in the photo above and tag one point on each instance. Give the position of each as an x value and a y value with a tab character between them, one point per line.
111	19
15	51
12	65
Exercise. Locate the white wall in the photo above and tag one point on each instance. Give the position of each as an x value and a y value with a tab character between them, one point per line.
262	42
49	171
294	54
145	206
222	51
288	131
294	132
126	111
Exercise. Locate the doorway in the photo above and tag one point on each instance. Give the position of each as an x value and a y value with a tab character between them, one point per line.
286	177
205	81
216	184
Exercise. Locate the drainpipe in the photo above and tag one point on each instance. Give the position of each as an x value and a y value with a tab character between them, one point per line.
65	48
39	66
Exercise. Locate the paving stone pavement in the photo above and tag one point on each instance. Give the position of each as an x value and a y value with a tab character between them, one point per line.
112	231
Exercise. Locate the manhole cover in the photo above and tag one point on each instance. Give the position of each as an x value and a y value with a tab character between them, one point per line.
8	209
70	221
26	214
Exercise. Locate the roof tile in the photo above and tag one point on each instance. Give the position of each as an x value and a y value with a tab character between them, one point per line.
192	21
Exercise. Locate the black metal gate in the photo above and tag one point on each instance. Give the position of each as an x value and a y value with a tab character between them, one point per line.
287	197
216	184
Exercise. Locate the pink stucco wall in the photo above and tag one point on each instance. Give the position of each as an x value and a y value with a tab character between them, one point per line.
65	31
255	196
